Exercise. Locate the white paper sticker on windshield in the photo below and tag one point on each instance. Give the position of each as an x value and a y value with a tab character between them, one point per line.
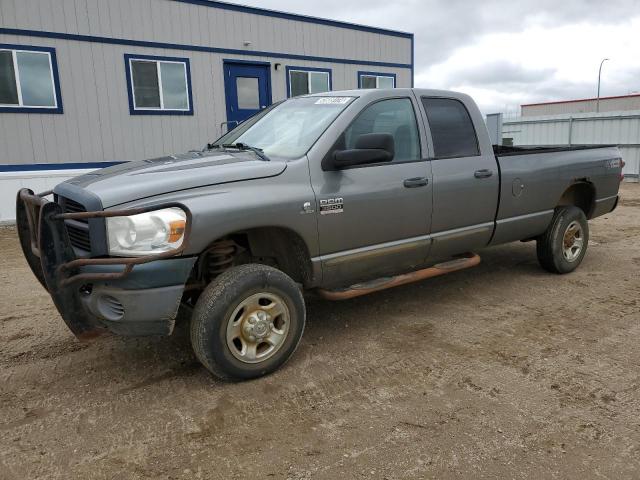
333	100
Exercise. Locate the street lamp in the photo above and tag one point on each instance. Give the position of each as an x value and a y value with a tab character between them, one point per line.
599	74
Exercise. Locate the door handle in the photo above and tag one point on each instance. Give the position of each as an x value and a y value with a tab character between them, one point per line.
416	182
484	173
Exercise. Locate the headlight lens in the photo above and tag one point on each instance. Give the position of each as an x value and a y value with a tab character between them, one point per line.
147	233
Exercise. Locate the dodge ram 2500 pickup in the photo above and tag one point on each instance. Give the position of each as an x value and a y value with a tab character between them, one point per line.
343	193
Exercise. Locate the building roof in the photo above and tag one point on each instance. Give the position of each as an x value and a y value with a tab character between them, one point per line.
556	102
294	16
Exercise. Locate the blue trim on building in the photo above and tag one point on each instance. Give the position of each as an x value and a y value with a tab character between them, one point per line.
247	62
381	74
194	48
306	69
56	81
38	167
134	111
296	17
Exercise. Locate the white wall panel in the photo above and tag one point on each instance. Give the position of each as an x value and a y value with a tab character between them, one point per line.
618	128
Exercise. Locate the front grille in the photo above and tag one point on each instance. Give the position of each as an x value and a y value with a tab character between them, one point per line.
78	230
69	206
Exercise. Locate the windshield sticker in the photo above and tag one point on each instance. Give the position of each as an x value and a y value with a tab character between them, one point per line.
333	100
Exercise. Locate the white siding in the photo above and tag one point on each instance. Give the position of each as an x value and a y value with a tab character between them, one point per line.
183	23
619	128
96	124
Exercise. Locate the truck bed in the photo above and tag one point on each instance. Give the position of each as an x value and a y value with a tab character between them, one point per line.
533	180
504	150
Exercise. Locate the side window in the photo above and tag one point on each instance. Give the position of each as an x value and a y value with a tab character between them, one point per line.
451	127
395	116
29	80
158	85
376	80
304	80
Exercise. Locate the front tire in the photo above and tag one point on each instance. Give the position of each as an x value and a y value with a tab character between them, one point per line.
563	246
248	322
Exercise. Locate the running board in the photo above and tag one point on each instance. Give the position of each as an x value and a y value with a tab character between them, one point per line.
467	260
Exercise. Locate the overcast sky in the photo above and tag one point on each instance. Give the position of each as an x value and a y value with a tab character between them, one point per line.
505	53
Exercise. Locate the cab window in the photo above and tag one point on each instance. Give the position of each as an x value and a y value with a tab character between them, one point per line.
451	128
394	116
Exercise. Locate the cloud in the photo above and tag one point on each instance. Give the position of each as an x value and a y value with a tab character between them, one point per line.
505	52
499	73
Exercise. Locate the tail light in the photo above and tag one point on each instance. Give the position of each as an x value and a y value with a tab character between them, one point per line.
622	164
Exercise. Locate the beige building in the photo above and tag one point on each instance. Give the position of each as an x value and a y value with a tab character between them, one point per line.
587	105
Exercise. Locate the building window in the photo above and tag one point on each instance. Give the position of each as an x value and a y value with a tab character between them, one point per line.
304	80
29	80
452	129
376	80
158	85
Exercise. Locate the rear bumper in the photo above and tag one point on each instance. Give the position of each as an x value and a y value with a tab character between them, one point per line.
127	296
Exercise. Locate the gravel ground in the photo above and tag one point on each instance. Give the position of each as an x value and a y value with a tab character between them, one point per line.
502	371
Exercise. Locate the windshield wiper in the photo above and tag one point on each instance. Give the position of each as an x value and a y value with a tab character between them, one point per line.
245	147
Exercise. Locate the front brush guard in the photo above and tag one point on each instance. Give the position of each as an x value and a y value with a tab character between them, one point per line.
48	251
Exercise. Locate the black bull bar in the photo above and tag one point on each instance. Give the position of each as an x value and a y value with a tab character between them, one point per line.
47	248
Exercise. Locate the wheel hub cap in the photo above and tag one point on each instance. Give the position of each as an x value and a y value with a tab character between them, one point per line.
258	327
573	241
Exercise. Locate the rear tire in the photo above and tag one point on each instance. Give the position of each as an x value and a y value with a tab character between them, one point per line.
248	322
563	246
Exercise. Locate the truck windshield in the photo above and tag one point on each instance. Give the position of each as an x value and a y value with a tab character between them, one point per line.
289	129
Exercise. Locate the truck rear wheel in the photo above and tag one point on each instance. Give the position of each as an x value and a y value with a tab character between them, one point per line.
247	322
563	246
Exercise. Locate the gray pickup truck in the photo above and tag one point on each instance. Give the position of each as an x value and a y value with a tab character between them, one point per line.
343	193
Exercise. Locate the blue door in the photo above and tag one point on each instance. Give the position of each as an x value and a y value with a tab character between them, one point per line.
247	90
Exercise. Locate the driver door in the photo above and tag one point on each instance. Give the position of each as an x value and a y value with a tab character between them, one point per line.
375	219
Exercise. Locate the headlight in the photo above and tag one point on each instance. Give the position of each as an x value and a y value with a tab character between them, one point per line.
147	233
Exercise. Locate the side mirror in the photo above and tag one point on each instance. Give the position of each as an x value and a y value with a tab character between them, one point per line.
369	148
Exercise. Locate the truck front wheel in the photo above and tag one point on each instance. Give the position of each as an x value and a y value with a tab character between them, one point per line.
563	246
247	322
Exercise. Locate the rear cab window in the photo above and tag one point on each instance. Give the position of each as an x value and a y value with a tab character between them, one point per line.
452	130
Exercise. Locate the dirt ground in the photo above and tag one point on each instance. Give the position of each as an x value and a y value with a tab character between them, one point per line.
502	371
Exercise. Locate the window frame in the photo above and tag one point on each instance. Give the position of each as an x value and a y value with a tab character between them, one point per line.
377	75
55	79
430	132
341	138
133	109
290	69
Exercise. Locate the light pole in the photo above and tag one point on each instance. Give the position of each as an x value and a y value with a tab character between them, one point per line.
599	74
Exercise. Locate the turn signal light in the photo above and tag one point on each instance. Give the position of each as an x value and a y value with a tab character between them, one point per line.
176	230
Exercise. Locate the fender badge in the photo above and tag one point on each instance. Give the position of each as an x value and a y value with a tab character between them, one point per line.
307	208
331	205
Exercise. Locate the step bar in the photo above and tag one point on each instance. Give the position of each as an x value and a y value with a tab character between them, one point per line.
466	260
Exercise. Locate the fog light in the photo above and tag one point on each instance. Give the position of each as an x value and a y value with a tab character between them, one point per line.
110	308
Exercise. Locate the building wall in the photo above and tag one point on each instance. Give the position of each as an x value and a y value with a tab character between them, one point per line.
618	128
607	104
96	124
91	37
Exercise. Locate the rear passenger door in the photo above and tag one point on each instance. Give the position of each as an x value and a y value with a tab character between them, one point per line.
466	180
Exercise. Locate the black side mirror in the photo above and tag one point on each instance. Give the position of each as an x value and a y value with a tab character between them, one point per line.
369	148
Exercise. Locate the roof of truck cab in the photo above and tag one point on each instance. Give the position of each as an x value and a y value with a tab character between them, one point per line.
363	92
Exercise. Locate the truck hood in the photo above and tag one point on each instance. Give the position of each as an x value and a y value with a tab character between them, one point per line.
140	179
